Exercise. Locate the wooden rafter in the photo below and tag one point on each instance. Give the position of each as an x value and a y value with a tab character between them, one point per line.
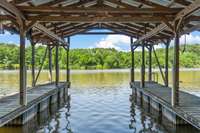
103	10
185	12
120	3
152	4
71	17
66	27
13	10
48	32
98	19
183	2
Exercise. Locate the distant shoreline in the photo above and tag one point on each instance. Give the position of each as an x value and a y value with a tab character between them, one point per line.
103	70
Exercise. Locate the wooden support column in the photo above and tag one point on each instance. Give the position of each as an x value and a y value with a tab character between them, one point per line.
67	63
33	63
22	64
167	63
50	63
57	64
142	83
150	63
132	62
175	84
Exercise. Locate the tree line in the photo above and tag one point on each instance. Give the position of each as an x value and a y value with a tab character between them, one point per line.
96	58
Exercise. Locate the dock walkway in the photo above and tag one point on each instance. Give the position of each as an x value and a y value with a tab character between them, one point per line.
188	109
11	109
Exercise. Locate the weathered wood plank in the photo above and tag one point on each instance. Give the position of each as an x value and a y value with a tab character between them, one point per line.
10	108
188	109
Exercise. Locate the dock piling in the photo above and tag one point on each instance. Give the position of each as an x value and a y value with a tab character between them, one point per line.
167	63
142	85
22	70
150	63
33	63
67	63
175	78
50	63
57	64
132	60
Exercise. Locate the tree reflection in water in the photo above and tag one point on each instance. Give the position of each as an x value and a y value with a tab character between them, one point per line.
132	125
140	121
67	115
56	124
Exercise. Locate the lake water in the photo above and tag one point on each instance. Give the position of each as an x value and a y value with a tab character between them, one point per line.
100	103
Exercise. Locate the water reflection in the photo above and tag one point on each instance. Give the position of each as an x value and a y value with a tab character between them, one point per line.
99	102
144	120
141	122
59	121
190	80
132	124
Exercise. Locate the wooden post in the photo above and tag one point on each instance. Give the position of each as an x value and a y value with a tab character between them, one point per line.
175	88
50	63
132	62
57	64
33	64
166	63
142	84
67	64
150	63
22	64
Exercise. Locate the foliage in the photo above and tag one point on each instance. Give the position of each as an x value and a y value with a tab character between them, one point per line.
96	58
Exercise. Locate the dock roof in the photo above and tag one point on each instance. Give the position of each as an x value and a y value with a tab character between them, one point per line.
149	20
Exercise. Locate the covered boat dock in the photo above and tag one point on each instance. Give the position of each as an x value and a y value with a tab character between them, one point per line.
151	22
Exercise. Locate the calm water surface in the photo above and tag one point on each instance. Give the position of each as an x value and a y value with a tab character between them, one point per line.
100	103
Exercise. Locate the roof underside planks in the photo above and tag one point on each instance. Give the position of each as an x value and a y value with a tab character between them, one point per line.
54	20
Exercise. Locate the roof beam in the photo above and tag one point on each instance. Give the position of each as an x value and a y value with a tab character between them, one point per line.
103	10
155	31
119	3
184	13
99	19
188	10
99	33
183	2
65	27
48	32
21	1
52	3
11	9
152	4
66	32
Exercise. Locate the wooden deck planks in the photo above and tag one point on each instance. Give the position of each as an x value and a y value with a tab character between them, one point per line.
10	104
189	108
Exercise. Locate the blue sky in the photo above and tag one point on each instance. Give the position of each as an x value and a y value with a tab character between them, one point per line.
119	42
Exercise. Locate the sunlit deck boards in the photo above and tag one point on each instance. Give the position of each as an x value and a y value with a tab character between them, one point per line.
10	107
189	108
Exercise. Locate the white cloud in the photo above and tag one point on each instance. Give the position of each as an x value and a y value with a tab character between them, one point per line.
122	42
114	41
188	39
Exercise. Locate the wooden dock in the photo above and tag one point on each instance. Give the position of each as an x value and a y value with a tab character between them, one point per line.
38	98
159	97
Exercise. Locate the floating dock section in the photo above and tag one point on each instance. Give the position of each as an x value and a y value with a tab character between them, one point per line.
159	98
38	99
